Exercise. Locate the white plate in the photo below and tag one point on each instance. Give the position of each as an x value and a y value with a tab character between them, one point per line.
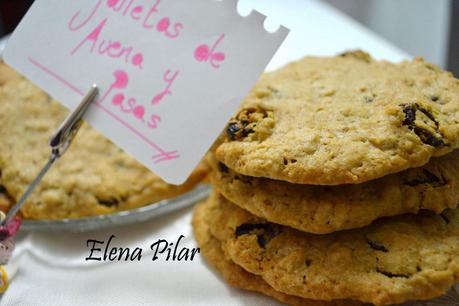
140	214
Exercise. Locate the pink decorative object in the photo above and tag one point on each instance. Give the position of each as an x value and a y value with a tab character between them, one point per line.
10	229
6	249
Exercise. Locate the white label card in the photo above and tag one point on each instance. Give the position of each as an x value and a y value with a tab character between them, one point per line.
170	72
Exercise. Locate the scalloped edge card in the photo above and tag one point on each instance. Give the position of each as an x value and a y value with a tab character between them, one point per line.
170	72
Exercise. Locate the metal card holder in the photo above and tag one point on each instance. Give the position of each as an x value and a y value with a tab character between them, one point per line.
59	143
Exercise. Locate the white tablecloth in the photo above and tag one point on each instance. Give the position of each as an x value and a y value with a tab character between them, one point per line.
52	269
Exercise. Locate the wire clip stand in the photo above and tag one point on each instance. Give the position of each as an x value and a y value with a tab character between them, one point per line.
59	143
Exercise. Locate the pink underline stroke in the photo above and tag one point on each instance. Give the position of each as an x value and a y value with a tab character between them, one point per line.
56	76
127	125
100	106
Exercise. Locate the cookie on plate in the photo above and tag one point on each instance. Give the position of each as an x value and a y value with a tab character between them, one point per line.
325	209
93	177
343	120
409	257
235	275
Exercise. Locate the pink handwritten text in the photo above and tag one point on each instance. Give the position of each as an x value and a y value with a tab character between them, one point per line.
121	81
144	16
110	48
130	105
167	91
203	53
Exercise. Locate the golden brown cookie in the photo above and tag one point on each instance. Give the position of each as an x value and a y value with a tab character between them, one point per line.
325	209
235	275
343	120
93	177
7	74
393	260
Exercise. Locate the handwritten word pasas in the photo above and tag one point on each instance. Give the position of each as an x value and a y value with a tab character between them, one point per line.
130	105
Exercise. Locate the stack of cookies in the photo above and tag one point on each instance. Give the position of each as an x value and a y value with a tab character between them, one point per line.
337	184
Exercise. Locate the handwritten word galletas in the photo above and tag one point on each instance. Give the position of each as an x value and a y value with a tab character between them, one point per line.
170	72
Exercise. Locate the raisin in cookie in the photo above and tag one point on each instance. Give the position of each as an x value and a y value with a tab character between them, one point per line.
325	209
235	275
343	120
393	260
93	177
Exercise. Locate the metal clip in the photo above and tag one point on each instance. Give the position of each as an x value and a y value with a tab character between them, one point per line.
64	135
59	143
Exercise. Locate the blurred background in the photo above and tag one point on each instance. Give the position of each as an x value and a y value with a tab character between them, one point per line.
428	28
